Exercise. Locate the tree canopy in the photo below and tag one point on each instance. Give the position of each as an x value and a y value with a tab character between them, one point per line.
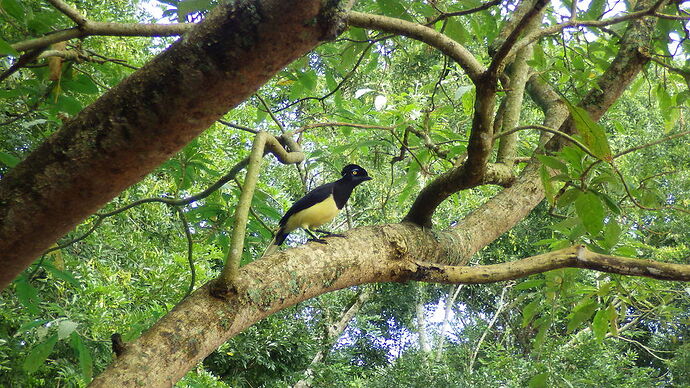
526	224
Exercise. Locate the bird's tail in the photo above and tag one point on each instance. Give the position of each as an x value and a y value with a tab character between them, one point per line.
276	242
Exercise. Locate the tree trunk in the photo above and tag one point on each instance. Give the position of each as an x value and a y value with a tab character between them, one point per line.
147	118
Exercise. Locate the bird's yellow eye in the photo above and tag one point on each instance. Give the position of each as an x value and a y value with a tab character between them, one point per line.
355	172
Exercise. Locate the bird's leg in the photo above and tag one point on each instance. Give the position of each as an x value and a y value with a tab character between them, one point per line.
328	234
314	238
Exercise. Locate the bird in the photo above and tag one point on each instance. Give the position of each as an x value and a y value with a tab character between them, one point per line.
319	207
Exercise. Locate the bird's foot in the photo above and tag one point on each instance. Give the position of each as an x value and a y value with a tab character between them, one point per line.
329	234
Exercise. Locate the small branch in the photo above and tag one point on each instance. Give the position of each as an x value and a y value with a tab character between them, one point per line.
262	142
649	350
422	33
103	29
444	15
278	151
664	139
342	124
501	305
446	318
69	11
450	183
533	37
507	47
634	200
333	334
270	113
340	84
550	130
240	127
190	249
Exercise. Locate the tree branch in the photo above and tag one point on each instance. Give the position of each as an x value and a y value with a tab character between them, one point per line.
398	252
91	28
422	33
262	142
69	11
110	145
533	37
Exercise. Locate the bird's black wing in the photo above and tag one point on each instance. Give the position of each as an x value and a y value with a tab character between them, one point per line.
313	197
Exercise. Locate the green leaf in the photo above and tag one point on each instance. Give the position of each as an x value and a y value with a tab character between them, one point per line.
544	327
529	311
612	233
591	212
626	251
461	90
456	31
393	8
613	317
527	284
85	359
185	7
595	11
610	203
569	196
13	8
8	160
30	325
80	84
27	294
67	104
552	162
39	353
539	381
60	274
6	49
581	313
600	324
308	79
549	191
593	134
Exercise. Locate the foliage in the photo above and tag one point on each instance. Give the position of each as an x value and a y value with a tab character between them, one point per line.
561	328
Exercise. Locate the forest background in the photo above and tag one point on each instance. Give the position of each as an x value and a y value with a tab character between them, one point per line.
520	141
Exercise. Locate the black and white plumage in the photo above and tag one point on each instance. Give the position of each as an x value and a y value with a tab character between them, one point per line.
320	205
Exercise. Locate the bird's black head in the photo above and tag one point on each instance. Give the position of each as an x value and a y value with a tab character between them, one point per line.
355	173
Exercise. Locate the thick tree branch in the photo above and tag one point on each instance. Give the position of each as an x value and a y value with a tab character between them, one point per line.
145	119
518	73
399	252
626	65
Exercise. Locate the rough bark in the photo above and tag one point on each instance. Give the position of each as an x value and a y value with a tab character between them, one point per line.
148	117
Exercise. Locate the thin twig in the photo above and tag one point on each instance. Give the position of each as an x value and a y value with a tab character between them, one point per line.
190	249
240	127
550	130
270	113
337	87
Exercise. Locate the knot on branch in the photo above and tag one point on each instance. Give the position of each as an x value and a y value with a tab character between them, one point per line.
397	241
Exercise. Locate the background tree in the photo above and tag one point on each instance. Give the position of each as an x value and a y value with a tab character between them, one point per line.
433	98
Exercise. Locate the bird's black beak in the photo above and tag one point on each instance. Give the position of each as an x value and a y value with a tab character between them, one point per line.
366	178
